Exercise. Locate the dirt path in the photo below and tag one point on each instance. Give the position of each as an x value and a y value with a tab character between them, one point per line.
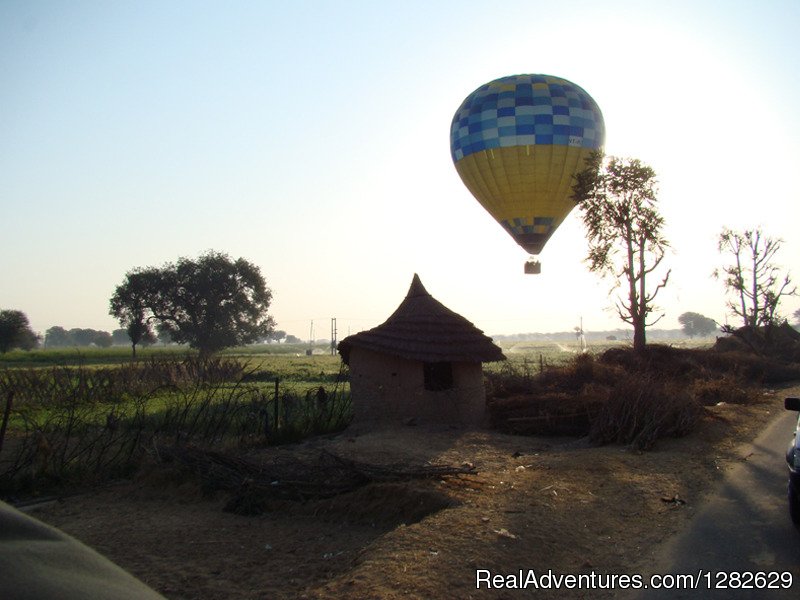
536	503
743	527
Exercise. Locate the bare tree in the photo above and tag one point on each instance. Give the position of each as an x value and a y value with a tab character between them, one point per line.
617	198
752	277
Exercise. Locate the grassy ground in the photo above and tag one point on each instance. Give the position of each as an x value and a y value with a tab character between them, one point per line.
78	416
123	354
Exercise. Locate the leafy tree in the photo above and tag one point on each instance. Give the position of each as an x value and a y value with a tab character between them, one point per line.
617	198
797	316
752	277
102	339
57	337
695	324
275	336
16	332
150	338
293	339
119	337
82	337
164	335
131	305
29	340
210	303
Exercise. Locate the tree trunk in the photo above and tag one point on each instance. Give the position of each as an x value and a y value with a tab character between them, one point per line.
639	337
133	345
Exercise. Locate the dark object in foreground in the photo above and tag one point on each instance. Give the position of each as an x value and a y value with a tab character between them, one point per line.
39	561
793	460
289	478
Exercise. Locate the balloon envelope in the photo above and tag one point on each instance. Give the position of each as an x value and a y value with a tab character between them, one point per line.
517	142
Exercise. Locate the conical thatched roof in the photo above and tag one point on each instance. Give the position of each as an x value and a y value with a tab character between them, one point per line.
422	328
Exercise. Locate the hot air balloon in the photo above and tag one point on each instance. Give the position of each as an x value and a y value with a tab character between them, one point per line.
516	143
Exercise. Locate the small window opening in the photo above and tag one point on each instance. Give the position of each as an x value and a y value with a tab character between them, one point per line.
438	376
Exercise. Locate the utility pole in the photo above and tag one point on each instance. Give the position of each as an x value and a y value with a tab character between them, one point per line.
333	336
582	338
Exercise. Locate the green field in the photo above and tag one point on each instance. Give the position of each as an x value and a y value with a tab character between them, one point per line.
73	417
123	354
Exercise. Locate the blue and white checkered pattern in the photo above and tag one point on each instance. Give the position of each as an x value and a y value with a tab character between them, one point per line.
525	110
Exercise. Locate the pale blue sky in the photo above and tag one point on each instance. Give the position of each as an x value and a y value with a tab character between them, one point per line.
312	139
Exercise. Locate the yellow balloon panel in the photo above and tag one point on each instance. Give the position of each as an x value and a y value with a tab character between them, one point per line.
527	189
517	141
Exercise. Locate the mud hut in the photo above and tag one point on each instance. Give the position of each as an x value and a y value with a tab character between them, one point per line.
424	363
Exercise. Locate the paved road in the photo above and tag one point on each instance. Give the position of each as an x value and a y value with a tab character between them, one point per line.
744	527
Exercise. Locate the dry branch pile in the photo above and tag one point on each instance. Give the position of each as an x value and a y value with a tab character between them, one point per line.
628	397
642	409
289	478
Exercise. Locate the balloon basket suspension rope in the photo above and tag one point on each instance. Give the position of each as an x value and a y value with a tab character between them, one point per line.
533	266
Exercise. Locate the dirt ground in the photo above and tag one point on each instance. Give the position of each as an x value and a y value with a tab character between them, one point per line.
535	503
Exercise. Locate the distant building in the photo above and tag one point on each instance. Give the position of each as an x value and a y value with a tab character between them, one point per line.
423	363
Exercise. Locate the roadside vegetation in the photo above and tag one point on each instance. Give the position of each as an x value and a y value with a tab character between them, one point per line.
624	396
69	425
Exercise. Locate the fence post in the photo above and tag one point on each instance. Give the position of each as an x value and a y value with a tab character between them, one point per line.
277	406
6	414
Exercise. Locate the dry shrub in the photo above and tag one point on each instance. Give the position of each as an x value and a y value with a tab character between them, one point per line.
559	401
781	342
553	413
510	379
665	361
686	363
726	388
750	366
582	370
643	408
629	397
